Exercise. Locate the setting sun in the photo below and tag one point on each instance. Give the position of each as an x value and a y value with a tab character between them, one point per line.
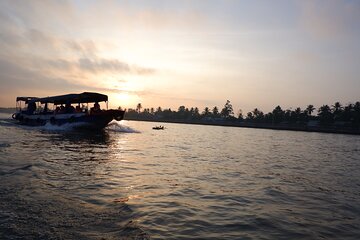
123	100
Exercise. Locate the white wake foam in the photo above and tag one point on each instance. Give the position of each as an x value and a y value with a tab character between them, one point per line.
117	127
113	126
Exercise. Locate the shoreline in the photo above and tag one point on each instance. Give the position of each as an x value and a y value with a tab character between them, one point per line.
281	126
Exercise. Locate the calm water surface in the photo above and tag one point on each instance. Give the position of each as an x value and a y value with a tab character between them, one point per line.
186	182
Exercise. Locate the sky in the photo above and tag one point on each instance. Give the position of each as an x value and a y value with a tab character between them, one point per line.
255	53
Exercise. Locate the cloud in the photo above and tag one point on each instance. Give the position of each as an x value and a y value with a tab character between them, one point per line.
330	18
111	65
60	45
43	15
86	48
94	66
149	16
40	38
34	59
15	78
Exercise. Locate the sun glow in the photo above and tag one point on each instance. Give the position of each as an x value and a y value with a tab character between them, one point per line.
123	100
123	93
133	85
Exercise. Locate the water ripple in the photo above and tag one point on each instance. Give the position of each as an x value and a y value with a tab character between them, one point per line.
186	182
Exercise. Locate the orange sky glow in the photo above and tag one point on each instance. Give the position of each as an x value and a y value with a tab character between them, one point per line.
193	53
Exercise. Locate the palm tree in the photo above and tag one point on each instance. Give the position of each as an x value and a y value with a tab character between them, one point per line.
240	115
336	107
356	114
256	112
357	106
324	109
215	111
227	111
337	110
249	116
196	113
278	114
298	111
181	109
347	113
310	109
206	112
138	107
158	110
325	114
258	115
288	115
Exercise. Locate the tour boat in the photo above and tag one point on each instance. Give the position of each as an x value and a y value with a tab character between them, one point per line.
37	112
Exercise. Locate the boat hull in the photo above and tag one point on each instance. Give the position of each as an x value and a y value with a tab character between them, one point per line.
98	120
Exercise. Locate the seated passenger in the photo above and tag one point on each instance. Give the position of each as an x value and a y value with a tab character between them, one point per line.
96	108
45	108
78	109
31	107
62	109
72	109
69	108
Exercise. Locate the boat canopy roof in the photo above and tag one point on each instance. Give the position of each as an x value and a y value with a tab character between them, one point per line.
26	99
84	97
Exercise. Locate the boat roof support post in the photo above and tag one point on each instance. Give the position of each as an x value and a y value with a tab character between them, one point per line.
107	107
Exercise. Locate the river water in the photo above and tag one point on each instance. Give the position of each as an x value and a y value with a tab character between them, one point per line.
184	182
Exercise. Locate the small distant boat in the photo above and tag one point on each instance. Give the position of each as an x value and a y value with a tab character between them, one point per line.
37	112
158	128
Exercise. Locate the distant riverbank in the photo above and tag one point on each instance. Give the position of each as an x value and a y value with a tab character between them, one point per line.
7	110
336	118
278	126
306	127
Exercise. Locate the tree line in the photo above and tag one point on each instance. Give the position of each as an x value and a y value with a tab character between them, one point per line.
326	115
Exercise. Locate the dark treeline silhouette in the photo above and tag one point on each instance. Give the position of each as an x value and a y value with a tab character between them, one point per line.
336	117
183	113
